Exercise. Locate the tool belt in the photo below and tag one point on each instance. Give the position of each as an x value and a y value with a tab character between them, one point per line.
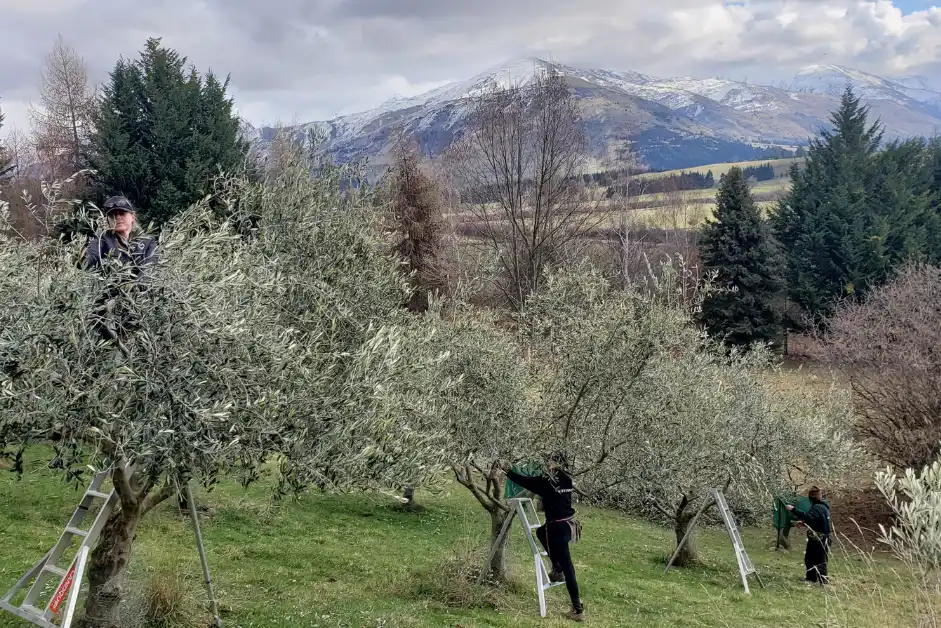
574	525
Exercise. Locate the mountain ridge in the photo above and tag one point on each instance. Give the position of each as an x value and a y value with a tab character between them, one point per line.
670	123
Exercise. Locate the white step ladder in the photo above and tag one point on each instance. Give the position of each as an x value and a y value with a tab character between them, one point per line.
522	507
68	579
745	566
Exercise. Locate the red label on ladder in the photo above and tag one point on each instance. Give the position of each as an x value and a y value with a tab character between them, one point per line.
62	591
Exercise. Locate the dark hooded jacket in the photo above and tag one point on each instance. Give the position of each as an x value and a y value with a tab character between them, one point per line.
817	518
556	493
141	252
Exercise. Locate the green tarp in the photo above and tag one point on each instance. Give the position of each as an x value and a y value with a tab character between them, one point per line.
780	517
513	489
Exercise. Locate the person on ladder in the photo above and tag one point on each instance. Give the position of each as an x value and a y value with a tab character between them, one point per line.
561	527
124	242
817	520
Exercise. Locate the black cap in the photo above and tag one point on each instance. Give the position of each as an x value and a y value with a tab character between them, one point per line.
116	204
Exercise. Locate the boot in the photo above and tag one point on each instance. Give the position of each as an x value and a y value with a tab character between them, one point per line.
556	576
576	614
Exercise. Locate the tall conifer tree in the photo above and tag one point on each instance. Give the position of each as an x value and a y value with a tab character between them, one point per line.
855	213
739	248
162	133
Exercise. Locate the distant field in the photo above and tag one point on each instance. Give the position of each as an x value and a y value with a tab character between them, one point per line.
781	167
686	209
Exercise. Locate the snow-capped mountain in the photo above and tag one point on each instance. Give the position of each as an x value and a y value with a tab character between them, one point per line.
670	123
832	80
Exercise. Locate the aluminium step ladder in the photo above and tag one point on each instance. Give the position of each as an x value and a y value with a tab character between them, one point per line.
68	578
745	565
522	507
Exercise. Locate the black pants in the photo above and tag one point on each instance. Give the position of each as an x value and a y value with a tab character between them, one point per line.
815	559
555	537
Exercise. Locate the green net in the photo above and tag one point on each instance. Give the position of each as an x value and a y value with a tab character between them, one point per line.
512	489
780	517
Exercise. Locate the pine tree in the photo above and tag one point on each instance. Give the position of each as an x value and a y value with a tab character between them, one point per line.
855	213
163	132
738	247
819	222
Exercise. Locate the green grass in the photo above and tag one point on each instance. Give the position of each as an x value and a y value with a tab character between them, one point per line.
361	561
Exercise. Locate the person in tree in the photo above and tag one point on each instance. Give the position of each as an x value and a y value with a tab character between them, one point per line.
561	527
124	243
122	240
817	520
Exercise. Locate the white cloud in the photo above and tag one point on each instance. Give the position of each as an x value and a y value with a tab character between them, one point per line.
308	59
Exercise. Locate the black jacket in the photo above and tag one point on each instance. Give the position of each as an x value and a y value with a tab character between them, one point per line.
556	494
817	518
141	252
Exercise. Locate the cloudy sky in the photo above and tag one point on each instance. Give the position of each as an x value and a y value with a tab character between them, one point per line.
301	60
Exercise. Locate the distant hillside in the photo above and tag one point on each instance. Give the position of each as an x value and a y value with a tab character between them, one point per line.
670	123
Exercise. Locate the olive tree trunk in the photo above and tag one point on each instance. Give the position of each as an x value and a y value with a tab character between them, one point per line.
106	570
497	566
485	485
107	565
684	516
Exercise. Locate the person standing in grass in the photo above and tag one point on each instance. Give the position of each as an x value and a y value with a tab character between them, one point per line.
817	520
561	528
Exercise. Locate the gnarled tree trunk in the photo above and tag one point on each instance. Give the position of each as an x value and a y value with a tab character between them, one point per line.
684	516
106	570
485	485
409	496
108	562
497	566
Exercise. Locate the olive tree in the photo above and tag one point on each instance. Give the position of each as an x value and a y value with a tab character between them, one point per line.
915	499
563	383
715	424
236	349
485	413
653	413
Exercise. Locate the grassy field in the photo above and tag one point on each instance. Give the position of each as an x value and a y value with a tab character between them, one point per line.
362	561
781	167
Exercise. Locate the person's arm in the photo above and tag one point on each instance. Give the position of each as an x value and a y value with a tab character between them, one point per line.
538	485
811	517
146	261
93	250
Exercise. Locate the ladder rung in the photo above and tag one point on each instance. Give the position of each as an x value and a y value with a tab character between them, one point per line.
53	569
534	526
98	494
31	610
77	532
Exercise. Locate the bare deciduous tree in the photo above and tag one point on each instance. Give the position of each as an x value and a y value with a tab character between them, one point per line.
889	347
63	119
19	149
518	164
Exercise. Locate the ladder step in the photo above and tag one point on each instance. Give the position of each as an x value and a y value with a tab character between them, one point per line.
29	609
76	532
53	569
98	494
